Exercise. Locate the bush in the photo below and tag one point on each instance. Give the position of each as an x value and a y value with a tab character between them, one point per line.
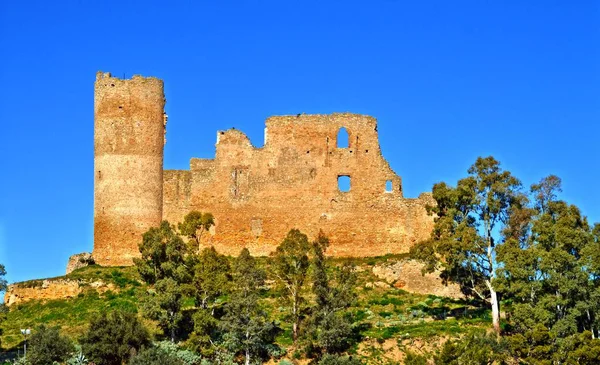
473	349
47	345
113	337
414	359
155	356
187	357
338	360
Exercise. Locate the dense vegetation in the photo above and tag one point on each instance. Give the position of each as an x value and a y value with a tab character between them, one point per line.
527	263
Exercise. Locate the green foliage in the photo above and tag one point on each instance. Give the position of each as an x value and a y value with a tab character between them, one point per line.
47	345
3	283
414	359
194	224
329	328
77	359
551	274
154	356
247	328
164	305
473	350
206	332
185	356
329	359
112	337
163	255
465	234
290	267
211	277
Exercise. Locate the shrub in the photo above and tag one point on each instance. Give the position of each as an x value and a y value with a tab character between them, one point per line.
112	338
47	345
155	356
338	360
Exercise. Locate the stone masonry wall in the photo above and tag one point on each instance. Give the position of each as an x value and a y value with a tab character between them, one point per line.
129	128
258	194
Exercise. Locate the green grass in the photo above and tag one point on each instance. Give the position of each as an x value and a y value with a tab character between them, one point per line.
379	313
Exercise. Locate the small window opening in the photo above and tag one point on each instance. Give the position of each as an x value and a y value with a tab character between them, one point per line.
342	138
366	151
99	174
344	183
388	186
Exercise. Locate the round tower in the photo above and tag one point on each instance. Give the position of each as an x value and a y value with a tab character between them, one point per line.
129	135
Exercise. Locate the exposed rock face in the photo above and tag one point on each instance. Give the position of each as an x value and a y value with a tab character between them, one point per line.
407	275
79	260
50	289
47	289
255	194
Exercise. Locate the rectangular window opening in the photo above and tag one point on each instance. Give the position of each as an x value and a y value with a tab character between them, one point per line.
388	186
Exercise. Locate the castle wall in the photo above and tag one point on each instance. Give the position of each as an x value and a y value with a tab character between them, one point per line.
129	126
258	194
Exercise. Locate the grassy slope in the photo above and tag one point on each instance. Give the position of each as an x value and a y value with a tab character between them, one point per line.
382	314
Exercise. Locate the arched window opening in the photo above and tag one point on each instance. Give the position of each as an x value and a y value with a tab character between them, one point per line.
388	186
344	183
342	138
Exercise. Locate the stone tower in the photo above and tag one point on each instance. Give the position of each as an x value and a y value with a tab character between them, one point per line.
129	129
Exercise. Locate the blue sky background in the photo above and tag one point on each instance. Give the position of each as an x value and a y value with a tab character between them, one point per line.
447	80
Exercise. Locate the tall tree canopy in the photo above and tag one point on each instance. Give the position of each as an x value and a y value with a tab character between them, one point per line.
550	272
329	328
163	255
195	224
290	266
468	224
246	324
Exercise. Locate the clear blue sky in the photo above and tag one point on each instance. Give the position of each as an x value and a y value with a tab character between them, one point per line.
447	80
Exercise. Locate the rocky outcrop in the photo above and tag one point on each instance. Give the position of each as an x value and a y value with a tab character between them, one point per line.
51	289
79	260
46	289
407	275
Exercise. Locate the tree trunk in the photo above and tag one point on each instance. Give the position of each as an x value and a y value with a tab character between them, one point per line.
495	309
247	357
295	316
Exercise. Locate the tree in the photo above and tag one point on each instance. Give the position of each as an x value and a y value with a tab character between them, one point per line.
194	224
3	287
211	277
550	271
329	326
113	337
163	255
466	234
290	266
3	283
46	346
246	326
164	306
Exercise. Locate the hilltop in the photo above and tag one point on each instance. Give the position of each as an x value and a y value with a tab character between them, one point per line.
388	320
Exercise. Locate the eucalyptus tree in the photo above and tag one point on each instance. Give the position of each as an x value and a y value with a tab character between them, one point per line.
469	219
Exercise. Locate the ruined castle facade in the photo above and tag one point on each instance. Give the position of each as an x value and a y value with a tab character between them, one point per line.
255	194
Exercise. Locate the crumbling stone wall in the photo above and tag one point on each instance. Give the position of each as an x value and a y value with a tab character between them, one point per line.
256	194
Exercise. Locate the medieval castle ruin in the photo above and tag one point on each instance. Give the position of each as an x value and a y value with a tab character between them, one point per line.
255	194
